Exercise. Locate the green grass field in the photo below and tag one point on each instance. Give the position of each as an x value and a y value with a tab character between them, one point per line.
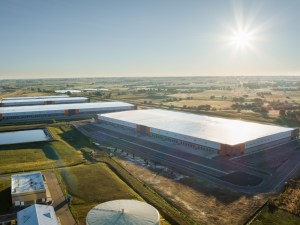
93	184
276	217
35	156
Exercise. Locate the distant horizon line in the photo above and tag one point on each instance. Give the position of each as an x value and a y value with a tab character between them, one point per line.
146	76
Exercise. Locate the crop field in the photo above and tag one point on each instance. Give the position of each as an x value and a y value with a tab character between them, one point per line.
249	98
91	185
216	104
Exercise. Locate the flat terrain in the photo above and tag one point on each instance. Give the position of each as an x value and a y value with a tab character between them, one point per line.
265	99
202	200
35	156
272	100
251	174
91	185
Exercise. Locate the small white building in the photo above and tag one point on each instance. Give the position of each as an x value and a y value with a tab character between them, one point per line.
28	188
37	215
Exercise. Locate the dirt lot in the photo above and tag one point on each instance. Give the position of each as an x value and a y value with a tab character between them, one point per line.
201	200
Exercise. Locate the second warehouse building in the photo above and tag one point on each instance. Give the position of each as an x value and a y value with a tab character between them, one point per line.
42	101
224	136
60	112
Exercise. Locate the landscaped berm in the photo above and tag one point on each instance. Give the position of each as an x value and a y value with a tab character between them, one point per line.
92	184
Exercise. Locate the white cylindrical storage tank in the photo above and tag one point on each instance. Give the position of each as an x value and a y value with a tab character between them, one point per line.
123	212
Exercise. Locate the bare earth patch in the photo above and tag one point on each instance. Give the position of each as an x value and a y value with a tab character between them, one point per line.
200	199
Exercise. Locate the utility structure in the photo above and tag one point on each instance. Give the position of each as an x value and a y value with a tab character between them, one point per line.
28	188
123	212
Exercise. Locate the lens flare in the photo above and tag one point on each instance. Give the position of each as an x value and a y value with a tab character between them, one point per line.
241	38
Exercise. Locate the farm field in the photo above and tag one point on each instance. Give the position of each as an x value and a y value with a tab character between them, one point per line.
268	99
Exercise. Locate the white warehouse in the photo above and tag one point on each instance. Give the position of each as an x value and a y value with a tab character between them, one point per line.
42	101
35	97
60	112
224	136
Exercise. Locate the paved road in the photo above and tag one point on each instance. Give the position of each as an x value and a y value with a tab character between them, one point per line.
61	207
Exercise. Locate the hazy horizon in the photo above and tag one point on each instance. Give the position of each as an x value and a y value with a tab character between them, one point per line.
66	39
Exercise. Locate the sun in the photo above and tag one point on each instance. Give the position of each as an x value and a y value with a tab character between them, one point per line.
241	39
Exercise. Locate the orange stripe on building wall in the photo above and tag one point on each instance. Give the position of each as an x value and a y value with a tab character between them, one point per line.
148	131
242	148
222	149
1	116
138	128
66	112
77	111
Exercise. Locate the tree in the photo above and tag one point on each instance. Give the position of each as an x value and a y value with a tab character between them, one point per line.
282	113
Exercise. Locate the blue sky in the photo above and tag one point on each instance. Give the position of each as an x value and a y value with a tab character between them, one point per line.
60	38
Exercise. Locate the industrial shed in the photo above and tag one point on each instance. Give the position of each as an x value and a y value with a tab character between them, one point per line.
224	136
60	112
37	215
42	101
27	188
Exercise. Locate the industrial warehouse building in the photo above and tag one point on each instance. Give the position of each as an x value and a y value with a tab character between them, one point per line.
223	136
28	188
59	112
36	97
42	101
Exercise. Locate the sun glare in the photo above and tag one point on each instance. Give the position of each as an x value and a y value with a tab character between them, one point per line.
241	39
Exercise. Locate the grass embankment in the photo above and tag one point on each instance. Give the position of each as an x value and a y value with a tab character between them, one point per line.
289	199
284	209
37	156
91	185
5	198
276	217
170	213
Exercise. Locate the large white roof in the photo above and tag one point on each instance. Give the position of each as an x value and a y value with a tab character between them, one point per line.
41	100
27	182
224	131
37	215
123	212
36	97
35	108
